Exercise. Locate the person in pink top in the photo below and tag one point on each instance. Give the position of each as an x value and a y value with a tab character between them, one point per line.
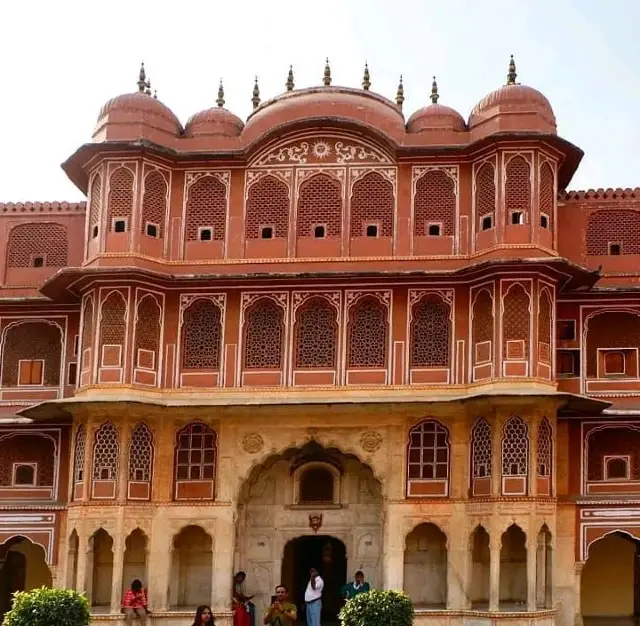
134	604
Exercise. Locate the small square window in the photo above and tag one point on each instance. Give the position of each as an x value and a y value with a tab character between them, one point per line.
72	374
318	232
434	230
487	222
544	221
94	232
566	330
206	234
120	226
616	468
38	261
517	218
372	230
266	232
615	249
24	474
152	230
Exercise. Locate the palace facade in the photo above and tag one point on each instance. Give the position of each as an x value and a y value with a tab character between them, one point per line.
333	336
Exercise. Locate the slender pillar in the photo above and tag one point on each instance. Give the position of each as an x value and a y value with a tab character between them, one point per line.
579	566
393	554
494	572
222	565
118	566
531	573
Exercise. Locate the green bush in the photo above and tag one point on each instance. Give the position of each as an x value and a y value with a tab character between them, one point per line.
48	607
378	608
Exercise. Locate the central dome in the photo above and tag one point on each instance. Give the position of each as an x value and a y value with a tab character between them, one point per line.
435	117
215	121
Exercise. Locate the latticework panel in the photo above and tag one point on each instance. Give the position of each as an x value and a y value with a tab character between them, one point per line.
268	205
516	323
545	448
428	453
430	332
206	206
32	341
120	202
547	192
320	202
482	324
481	449
264	335
87	329
30	241
372	202
140	453
201	335
105	453
434	201
485	193
619	226
515	447
517	187
615	329
154	202
196	453
28	449
113	322
613	442
545	313
148	325
316	334
95	202
368	334
78	456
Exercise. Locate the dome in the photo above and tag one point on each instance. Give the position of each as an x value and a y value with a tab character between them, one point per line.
435	116
214	121
141	108
319	103
514	107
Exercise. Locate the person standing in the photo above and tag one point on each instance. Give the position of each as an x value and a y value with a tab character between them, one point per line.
358	585
280	612
313	598
242	614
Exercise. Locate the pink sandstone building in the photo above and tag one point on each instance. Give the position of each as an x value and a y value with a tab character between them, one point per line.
337	333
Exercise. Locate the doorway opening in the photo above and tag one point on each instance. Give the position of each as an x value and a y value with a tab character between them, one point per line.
329	556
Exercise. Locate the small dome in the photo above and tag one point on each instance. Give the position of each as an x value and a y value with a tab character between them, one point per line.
140	107
515	107
435	116
214	121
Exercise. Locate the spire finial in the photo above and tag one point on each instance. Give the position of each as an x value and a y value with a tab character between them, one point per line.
147	91
327	74
220	100
143	83
366	79
290	84
400	94
511	76
256	94
155	94
434	91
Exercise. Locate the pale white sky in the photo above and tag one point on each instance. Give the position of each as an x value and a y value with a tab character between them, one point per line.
60	61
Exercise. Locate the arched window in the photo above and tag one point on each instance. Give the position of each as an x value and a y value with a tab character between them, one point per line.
148	321
516	323
316	334
430	332
481	450
515	448
78	462
105	453
367	332
264	335
201	335
428	459
545	448
141	453
196	453
316	486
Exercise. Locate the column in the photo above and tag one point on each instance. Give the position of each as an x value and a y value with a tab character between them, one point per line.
541	572
531	573
222	565
160	558
494	572
393	553
579	566
457	579
118	564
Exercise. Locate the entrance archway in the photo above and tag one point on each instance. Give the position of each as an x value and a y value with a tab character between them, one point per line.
22	567
611	579
276	506
329	556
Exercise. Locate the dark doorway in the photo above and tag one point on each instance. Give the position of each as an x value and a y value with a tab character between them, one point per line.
13	574
329	556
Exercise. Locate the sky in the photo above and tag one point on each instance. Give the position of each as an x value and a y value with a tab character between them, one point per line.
60	61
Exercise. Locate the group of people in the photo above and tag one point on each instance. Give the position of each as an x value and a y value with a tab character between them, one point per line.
280	612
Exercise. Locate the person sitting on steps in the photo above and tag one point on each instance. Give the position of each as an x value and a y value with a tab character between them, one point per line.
134	603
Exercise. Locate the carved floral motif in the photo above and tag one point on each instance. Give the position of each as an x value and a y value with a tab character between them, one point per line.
252	443
371	441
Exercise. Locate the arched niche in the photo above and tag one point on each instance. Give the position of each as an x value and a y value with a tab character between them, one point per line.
316	483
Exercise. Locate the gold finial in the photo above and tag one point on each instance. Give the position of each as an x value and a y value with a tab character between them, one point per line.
366	82
400	94
327	74
511	76
256	94
220	100
143	83
434	91
290	84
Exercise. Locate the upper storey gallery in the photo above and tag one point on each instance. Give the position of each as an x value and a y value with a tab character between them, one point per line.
323	173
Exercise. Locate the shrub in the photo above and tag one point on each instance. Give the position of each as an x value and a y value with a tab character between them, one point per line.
48	607
378	608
